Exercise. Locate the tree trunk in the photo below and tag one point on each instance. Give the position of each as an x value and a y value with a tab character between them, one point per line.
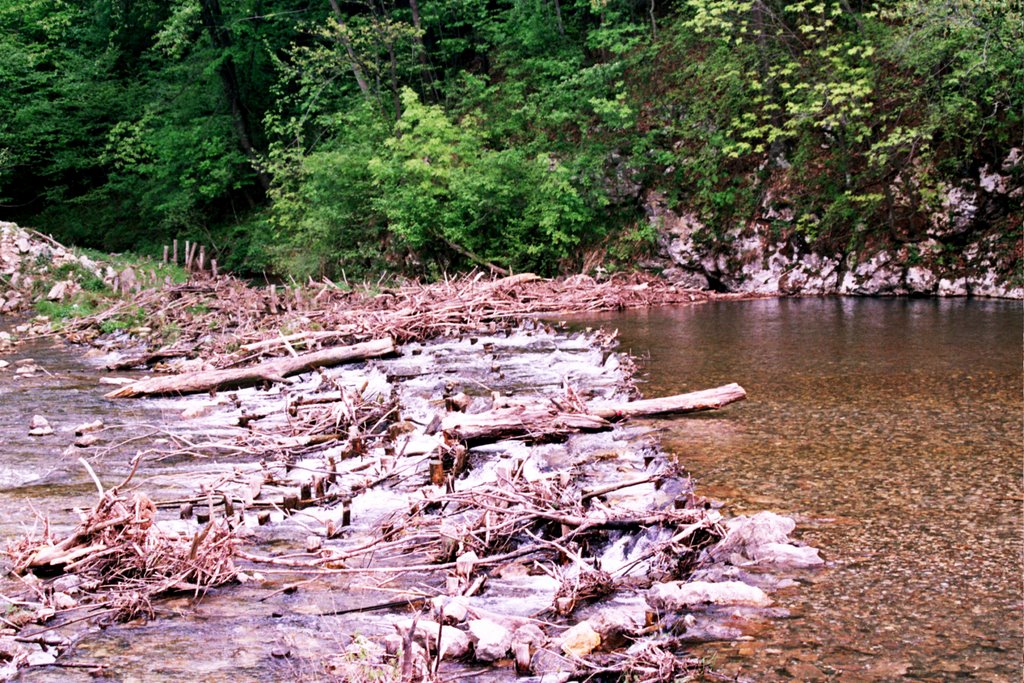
695	401
270	371
357	70
213	21
543	420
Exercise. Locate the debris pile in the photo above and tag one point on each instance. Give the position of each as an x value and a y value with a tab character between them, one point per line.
121	560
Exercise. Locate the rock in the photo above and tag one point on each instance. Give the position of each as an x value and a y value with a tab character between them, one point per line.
954	287
491	641
58	291
454	643
529	634
788	555
39	426
455	608
88	427
678	596
4	364
67	583
63	601
615	622
86	440
920	280
580	640
745	533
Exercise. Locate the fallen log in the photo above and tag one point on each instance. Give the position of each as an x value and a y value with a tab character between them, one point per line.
695	401
534	421
269	371
543	420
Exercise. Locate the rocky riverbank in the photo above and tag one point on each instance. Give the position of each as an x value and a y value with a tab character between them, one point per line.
471	489
971	245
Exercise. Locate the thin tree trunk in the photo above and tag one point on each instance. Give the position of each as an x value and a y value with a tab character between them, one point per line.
357	70
558	18
213	22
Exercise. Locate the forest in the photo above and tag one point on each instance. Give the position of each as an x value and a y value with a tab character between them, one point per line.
341	138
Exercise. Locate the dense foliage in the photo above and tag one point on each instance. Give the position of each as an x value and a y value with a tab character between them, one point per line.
340	138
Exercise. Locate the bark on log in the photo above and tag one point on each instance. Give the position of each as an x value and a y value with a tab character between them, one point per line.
534	421
695	401
273	370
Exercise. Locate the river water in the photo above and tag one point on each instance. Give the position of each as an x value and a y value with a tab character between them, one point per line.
892	431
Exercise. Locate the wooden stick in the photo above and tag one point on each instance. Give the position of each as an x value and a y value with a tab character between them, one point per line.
274	371
175	242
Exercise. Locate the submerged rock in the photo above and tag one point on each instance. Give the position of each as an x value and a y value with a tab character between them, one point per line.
764	539
678	596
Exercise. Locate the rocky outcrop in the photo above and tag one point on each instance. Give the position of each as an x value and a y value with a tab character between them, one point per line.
956	255
30	261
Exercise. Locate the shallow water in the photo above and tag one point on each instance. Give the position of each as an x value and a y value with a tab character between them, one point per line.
892	431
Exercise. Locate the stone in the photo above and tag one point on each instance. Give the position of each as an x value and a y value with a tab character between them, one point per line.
455	608
952	287
39	426
618	621
88	427
787	555
86	440
491	641
920	280
580	640
453	642
529	634
678	596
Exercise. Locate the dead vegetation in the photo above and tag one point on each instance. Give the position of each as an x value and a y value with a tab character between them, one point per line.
121	559
460	517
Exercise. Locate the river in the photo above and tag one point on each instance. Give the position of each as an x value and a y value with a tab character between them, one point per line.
892	431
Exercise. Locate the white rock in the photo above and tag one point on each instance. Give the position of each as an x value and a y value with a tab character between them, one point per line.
455	608
617	621
957	287
530	634
40	426
491	640
580	640
678	596
454	643
787	555
920	280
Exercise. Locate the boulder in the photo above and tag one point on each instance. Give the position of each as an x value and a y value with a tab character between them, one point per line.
677	596
491	641
580	640
453	642
920	280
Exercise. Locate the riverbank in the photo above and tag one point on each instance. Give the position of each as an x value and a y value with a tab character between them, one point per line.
471	474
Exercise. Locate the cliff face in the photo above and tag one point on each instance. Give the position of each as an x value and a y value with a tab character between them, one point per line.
971	247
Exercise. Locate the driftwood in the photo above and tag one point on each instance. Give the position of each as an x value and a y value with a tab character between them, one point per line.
538	421
695	401
269	371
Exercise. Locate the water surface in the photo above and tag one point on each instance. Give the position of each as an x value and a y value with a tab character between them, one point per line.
892	431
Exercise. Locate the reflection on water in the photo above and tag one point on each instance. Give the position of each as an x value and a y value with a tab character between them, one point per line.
892	431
